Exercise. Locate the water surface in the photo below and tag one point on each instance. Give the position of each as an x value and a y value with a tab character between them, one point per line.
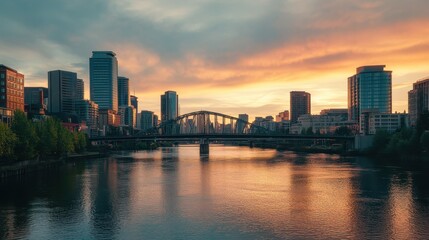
235	193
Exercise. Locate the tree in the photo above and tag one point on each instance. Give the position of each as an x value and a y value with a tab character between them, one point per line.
48	134
79	141
27	140
381	139
424	141
7	142
343	131
64	141
309	131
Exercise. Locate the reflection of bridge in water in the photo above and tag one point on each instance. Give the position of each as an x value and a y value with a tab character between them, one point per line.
206	126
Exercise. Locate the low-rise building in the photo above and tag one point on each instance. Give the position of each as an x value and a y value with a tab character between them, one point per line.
6	115
373	121
322	124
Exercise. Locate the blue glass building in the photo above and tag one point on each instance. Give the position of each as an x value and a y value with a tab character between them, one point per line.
103	73
123	91
169	106
369	90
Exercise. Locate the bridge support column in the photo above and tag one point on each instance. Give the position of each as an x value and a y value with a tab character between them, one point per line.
251	144
204	147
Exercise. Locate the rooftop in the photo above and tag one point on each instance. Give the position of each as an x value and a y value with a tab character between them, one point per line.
101	53
371	68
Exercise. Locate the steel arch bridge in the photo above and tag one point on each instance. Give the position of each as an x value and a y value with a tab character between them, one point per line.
206	122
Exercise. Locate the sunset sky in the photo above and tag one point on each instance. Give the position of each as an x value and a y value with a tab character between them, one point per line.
232	56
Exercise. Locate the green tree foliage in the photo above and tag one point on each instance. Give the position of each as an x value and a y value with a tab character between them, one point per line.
27	140
64	141
381	140
48	134
55	140
424	141
309	131
79	142
7	142
343	131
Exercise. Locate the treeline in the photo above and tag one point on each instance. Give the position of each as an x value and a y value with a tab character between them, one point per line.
406	142
25	140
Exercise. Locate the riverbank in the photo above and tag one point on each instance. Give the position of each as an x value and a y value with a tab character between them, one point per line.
30	166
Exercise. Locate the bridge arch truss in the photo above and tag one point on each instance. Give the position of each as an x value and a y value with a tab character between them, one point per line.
207	122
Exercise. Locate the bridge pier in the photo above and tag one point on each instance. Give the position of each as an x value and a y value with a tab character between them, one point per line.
204	147
251	144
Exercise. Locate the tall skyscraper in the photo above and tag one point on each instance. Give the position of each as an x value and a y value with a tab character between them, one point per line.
11	88
62	91
418	100
80	89
300	104
103	72
123	91
134	102
369	90
146	119
169	106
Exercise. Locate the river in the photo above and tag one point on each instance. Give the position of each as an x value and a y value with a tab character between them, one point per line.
234	193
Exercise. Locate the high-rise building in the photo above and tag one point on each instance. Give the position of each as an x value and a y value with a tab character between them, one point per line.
418	100
62	91
369	90
80	89
300	104
134	102
146	119
11	88
103	84
123	91
87	111
169	106
35	98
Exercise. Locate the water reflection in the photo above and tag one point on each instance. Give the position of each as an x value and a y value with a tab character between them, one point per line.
235	192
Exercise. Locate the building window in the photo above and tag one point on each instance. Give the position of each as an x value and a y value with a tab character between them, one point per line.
2	76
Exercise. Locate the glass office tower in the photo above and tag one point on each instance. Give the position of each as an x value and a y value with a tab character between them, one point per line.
103	72
169	106
370	90
123	91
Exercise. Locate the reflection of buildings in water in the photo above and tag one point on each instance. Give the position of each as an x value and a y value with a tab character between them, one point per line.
104	218
371	204
59	188
300	193
169	157
420	204
15	224
170	179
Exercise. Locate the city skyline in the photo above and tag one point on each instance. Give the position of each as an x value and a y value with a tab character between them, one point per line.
223	63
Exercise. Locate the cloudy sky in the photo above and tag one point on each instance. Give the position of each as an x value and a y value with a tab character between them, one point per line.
235	56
